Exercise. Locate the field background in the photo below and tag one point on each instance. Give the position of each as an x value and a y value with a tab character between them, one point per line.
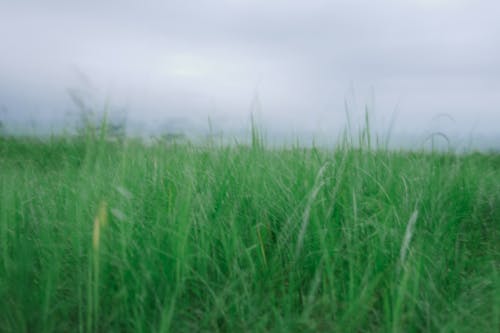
99	236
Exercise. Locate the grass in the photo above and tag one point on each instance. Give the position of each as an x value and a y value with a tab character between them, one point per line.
97	236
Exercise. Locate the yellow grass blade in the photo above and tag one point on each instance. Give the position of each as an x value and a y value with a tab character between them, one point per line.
100	221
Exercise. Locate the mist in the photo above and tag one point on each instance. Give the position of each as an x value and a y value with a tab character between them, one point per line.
300	67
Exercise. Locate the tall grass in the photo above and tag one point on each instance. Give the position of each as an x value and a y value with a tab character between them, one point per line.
109	237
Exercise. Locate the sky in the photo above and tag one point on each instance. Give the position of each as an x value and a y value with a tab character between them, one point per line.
418	66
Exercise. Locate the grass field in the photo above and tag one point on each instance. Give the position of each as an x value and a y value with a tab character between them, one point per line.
99	236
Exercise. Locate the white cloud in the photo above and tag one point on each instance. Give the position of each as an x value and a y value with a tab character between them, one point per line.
194	58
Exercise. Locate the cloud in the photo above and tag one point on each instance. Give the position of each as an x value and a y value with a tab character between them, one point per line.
164	59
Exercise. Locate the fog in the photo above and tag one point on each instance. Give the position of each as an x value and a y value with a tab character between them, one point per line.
418	66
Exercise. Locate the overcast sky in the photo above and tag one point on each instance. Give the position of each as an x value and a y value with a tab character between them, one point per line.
434	64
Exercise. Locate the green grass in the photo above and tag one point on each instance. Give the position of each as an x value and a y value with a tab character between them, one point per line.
237	238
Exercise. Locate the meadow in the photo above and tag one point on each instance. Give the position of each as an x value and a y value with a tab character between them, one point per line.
101	236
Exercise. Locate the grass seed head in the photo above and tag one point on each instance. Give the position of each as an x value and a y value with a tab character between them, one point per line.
100	221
